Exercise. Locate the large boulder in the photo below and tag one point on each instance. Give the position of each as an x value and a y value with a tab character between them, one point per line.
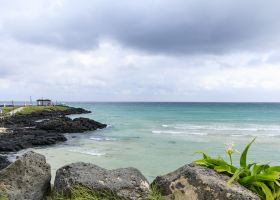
28	178
126	183
193	182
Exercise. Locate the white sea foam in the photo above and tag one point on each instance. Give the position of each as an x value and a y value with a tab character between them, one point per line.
102	139
256	135
228	127
165	125
166	132
198	133
91	152
177	132
237	135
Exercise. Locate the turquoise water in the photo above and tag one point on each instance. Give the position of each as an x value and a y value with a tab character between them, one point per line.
158	138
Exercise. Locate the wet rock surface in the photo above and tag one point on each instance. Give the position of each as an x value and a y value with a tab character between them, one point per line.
25	138
33	129
4	162
67	125
28	178
193	182
24	120
126	183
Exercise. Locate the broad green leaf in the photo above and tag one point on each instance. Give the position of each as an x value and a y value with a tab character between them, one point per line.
217	162
259	168
273	169
276	194
251	165
265	189
277	183
272	186
260	177
243	158
224	168
235	176
205	155
203	162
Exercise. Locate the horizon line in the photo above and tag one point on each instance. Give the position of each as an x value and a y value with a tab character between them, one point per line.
67	101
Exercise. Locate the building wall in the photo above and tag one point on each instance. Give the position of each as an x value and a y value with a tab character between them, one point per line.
43	103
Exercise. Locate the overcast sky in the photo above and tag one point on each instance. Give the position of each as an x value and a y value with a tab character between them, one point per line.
140	50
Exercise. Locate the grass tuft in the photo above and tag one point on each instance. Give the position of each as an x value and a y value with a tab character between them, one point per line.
79	192
155	193
3	195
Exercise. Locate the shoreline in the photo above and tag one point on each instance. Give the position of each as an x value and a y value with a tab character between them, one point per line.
41	127
90	181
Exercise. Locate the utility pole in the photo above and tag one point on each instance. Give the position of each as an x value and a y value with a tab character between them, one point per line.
31	103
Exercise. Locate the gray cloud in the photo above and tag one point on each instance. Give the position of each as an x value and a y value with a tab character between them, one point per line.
161	26
140	50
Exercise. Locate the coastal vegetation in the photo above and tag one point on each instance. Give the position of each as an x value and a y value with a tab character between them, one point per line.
8	109
262	179
31	109
79	192
3	196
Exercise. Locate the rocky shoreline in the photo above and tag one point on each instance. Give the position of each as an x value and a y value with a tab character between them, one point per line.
28	178
42	128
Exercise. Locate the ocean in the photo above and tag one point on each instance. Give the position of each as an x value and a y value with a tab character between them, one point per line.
157	138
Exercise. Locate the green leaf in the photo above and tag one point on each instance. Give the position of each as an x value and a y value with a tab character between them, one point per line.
265	189
243	158
262	179
202	162
224	168
217	162
247	180
205	155
276	194
235	176
259	168
273	169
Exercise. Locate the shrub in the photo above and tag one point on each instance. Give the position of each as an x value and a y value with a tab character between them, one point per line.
262	179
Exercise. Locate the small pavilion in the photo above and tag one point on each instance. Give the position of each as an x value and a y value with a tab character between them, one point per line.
44	102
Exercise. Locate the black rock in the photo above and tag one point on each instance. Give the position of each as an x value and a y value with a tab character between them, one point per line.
4	162
43	128
23	120
67	125
26	138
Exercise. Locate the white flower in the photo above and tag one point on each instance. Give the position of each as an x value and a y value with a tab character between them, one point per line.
230	149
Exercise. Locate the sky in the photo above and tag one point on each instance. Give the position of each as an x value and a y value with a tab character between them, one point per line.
140	50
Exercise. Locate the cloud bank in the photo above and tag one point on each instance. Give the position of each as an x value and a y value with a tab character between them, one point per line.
104	50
